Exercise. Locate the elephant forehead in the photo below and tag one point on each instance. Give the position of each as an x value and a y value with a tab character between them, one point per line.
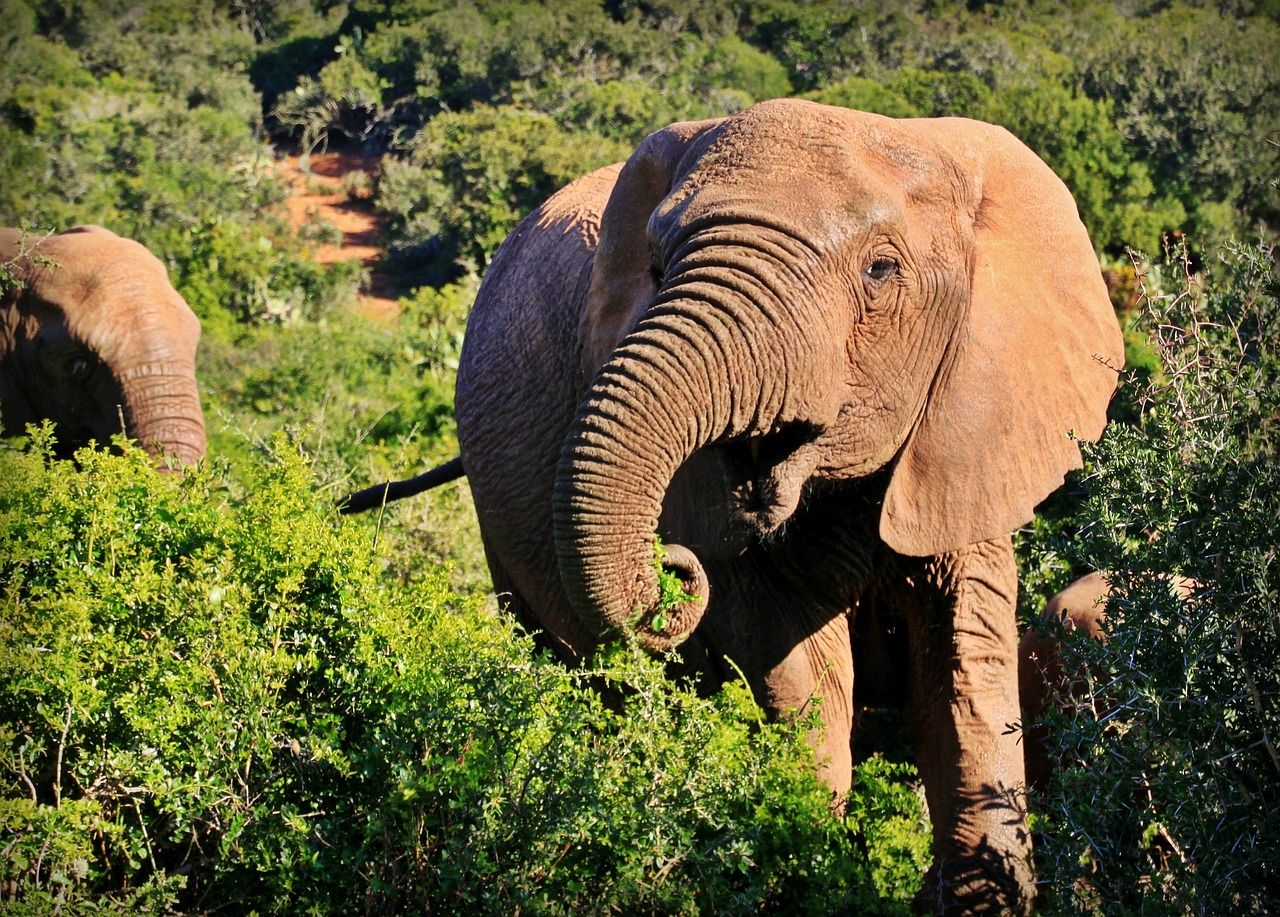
820	146
834	179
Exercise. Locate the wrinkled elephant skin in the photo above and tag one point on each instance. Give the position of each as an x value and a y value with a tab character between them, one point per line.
833	359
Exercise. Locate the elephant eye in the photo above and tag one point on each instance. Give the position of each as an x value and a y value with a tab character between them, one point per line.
80	368
656	273
881	269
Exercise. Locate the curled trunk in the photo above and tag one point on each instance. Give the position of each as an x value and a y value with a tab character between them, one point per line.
664	394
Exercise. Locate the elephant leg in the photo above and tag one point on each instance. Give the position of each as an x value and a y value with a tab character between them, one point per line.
514	602
818	667
964	697
793	656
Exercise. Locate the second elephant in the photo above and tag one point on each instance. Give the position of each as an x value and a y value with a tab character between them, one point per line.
93	335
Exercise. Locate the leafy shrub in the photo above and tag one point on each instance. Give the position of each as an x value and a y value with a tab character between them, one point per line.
863	94
625	110
220	701
1196	93
937	93
437	58
471	177
710	20
234	269
701	82
909	93
734	64
1167	801
819	42
345	96
165	155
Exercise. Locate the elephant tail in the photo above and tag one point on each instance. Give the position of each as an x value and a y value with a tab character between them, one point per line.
380	494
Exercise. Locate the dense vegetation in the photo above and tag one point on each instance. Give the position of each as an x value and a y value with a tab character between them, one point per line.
1168	801
216	694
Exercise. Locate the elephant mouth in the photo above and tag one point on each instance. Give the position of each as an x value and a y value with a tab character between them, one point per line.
767	477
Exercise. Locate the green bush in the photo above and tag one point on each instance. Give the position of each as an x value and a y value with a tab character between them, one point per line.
909	93
863	94
820	42
471	177
700	81
1167	800
163	154
447	57
344	97
734	64
213	700
1196	94
938	93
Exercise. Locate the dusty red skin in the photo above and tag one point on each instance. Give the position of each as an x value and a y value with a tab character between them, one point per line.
833	360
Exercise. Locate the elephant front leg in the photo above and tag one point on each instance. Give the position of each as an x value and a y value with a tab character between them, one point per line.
794	655
818	668
960	611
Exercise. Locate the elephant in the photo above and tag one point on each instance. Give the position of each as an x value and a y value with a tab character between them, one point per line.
95	338
1080	606
832	360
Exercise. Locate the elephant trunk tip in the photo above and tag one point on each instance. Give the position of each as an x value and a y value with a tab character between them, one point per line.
177	451
683	593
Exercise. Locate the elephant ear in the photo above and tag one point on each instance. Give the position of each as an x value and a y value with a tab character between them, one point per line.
1031	369
622	282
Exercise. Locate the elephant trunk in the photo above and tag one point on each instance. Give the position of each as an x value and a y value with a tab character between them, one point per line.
141	328
162	409
666	392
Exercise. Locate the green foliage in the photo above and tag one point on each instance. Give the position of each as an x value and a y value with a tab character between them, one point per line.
345	96
671	591
733	63
1167	800
623	110
1197	96
909	93
152	135
816	41
220	698
709	20
471	177
865	94
367	400
251	272
938	93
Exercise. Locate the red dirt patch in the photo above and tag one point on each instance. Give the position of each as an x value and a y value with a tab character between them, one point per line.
321	195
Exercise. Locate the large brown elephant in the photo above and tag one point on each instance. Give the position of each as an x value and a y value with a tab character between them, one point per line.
94	334
833	359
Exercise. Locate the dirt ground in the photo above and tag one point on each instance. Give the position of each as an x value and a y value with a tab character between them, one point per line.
321	194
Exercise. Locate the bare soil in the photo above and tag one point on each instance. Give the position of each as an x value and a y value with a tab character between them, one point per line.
319	194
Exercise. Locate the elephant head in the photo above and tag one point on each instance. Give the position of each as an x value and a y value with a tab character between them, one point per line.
819	295
94	335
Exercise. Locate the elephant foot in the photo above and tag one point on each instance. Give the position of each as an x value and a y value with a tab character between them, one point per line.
984	882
